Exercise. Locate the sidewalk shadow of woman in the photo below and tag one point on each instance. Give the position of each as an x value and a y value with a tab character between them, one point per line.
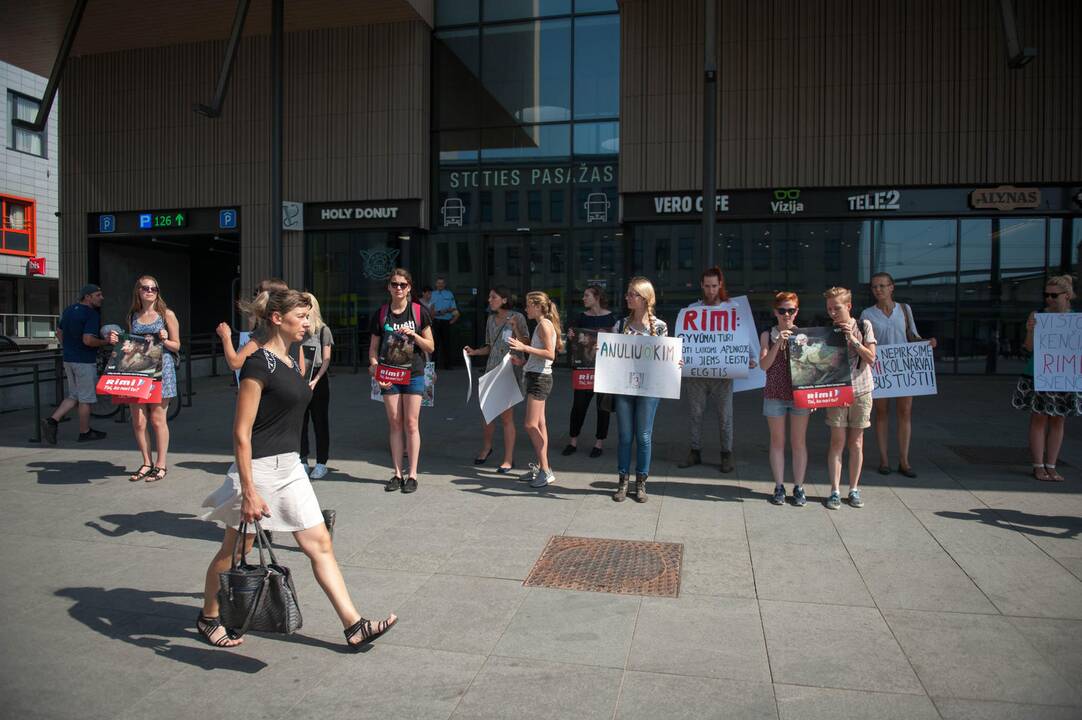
81	472
137	618
181	525
1021	521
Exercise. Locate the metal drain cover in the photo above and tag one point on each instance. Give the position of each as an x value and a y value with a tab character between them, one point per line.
628	567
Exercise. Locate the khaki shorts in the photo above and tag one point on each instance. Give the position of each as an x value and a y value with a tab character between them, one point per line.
857	415
82	382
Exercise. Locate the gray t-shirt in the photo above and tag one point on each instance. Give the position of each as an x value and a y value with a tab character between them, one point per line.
317	342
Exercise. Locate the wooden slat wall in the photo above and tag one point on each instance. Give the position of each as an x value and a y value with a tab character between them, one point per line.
816	93
356	127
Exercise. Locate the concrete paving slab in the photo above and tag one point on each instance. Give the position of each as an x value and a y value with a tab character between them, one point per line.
1031	585
1059	642
769	524
903	580
572	627
497	556
648	696
828	646
713	567
952	709
798	702
806	573
599	516
705	636
980	657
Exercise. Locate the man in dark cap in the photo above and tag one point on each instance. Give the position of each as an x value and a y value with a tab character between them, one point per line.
78	334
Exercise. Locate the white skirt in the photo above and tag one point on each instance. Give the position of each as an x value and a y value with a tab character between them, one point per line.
282	483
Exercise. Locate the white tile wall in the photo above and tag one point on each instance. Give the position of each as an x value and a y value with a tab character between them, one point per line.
28	176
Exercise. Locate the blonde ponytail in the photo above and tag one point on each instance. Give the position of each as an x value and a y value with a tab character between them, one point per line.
550	312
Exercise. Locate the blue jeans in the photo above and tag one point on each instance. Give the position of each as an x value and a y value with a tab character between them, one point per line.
634	421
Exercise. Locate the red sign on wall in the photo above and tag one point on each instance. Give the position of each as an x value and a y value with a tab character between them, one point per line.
35	266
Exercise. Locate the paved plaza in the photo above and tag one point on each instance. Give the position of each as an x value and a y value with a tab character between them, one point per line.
955	595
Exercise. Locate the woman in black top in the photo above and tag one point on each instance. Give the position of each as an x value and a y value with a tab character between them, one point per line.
401	337
597	318
267	482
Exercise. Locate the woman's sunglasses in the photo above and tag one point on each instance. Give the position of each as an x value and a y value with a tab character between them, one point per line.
399	285
785	311
1052	295
148	288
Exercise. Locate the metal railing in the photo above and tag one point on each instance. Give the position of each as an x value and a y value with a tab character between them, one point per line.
31	327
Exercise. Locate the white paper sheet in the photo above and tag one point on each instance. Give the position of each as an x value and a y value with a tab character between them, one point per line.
498	390
469	376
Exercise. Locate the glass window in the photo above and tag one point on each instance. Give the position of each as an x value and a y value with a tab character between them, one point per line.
526	73
459	146
685	259
597	138
518	9
351	285
22	107
582	6
17	226
456	73
510	207
530	141
597	67
486	206
456	12
443	257
1076	248
533	206
465	258
556	206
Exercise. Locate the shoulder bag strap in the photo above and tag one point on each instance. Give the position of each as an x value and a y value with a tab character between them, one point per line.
910	326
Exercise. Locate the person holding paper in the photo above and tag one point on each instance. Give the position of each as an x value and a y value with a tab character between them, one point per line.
778	401
502	325
635	414
401	336
597	317
540	353
893	325
716	393
1048	410
847	424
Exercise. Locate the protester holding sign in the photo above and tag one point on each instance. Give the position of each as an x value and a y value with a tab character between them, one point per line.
778	400
540	353
847	424
635	413
893	324
582	337
151	317
502	325
711	391
1048	410
401	337
266	483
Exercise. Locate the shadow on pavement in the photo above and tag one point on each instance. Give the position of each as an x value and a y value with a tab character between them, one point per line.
182	525
1022	522
98	609
79	472
209	467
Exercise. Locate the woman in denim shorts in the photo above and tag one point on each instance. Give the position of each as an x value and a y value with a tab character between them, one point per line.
778	401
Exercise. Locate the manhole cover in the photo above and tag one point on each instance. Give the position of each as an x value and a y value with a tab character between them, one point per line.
614	566
994	455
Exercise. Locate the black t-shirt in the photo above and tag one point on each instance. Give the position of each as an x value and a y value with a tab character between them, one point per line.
277	427
396	349
599	323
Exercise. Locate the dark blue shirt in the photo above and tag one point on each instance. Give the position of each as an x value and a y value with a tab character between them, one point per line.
76	321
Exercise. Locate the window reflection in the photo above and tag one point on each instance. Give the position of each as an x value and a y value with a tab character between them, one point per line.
597	138
516	9
531	141
456	69
456	12
526	72
597	67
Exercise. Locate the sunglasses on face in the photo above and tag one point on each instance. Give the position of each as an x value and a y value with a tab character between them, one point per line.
880	287
148	288
785	311
1052	295
399	285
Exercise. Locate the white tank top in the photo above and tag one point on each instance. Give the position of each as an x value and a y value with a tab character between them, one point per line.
535	363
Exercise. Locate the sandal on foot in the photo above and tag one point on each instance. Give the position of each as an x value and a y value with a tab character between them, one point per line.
207	626
884	469
1052	474
1039	473
481	460
368	631
141	473
156	474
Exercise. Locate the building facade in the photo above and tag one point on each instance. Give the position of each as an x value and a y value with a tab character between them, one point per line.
29	202
547	144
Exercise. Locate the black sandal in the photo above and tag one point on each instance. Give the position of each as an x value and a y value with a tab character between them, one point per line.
141	473
367	631
207	627
156	474
481	460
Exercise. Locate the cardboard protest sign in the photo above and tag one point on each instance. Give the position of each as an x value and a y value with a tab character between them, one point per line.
904	370
819	366
756	378
498	390
642	365
582	346
133	367
1057	352
716	342
428	398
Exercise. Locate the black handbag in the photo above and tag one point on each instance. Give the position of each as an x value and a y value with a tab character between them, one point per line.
257	597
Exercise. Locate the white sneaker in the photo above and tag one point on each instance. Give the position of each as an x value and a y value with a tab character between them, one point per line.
318	471
543	478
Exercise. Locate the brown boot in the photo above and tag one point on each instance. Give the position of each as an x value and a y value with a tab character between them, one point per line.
726	462
621	490
694	458
640	488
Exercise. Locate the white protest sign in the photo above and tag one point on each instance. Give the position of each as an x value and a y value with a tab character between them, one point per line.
903	370
756	378
498	390
242	340
642	365
469	375
1057	352
716	343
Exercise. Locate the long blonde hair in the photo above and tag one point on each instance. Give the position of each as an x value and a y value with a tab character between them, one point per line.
645	289
315	318
159	305
549	311
1064	283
